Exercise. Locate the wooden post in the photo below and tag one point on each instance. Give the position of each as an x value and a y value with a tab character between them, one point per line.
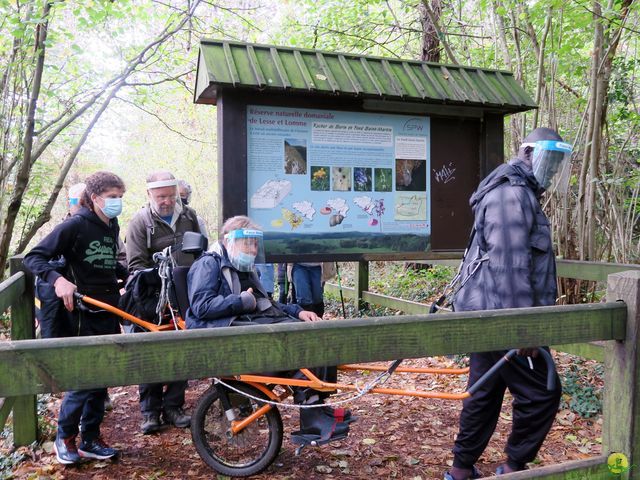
621	429
25	410
362	283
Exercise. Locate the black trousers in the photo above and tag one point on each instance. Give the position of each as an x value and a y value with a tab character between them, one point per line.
156	397
55	321
534	409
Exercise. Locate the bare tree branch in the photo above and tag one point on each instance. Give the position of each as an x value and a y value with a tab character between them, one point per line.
141	58
45	215
161	120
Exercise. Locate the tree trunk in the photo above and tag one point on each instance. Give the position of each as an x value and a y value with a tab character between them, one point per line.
540	81
22	177
431	47
430	20
607	35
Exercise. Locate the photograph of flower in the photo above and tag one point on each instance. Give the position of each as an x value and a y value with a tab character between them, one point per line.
320	178
362	179
383	180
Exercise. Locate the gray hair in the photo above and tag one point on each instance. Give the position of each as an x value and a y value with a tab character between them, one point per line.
184	184
236	223
160	175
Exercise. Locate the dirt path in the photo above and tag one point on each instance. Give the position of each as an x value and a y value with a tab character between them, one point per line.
395	437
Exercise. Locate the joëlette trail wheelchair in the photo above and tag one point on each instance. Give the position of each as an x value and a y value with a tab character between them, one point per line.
236	425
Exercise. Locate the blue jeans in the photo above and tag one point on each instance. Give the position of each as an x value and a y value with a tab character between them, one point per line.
307	282
85	407
266	274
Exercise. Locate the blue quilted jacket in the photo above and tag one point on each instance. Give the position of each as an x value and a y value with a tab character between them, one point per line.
214	293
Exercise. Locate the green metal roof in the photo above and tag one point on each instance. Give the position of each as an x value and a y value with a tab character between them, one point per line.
266	68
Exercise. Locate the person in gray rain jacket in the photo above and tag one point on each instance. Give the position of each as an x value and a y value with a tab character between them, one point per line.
510	264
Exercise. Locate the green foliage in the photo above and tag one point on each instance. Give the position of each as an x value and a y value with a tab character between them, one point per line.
333	307
579	393
5	323
418	285
393	279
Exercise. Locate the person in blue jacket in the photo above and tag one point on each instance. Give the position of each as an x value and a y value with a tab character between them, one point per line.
224	290
88	241
510	264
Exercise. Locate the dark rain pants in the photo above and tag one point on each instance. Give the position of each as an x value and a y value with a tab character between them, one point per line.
534	409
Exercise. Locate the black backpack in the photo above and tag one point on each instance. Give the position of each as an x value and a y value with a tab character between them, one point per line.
142	294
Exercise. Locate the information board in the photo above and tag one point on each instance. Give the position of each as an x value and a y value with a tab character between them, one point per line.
323	181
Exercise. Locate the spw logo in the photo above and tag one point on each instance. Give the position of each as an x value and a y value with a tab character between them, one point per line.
618	463
413	125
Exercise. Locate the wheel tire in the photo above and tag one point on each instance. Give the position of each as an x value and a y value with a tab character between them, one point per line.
246	453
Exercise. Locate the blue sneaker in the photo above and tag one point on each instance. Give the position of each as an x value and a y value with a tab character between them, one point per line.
475	473
96	449
66	450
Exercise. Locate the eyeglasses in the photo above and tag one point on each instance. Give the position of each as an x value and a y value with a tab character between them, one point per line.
164	198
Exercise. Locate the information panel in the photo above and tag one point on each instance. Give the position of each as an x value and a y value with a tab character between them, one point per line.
324	181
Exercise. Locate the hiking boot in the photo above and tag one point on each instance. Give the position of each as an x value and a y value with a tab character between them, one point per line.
150	424
96	449
177	417
108	404
66	450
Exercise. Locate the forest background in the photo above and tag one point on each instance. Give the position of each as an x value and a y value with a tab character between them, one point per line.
108	84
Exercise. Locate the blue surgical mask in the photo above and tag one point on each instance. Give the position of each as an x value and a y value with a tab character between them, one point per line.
112	207
243	262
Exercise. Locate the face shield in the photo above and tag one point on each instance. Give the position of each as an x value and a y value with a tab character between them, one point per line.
550	163
245	248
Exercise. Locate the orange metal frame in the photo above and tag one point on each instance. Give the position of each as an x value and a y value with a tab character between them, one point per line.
152	327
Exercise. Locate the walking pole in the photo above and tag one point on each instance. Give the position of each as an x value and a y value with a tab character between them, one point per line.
344	315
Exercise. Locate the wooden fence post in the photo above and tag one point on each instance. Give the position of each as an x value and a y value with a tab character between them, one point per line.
362	284
621	428
25	408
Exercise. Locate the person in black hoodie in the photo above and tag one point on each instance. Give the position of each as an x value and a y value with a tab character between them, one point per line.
88	241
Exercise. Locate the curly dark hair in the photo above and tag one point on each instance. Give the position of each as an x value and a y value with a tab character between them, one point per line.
99	183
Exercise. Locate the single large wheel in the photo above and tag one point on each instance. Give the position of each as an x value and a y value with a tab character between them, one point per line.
249	451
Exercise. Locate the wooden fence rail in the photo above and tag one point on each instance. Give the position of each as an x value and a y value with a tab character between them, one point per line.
36	366
593	271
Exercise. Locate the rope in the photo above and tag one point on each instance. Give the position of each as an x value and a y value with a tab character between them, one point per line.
378	380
